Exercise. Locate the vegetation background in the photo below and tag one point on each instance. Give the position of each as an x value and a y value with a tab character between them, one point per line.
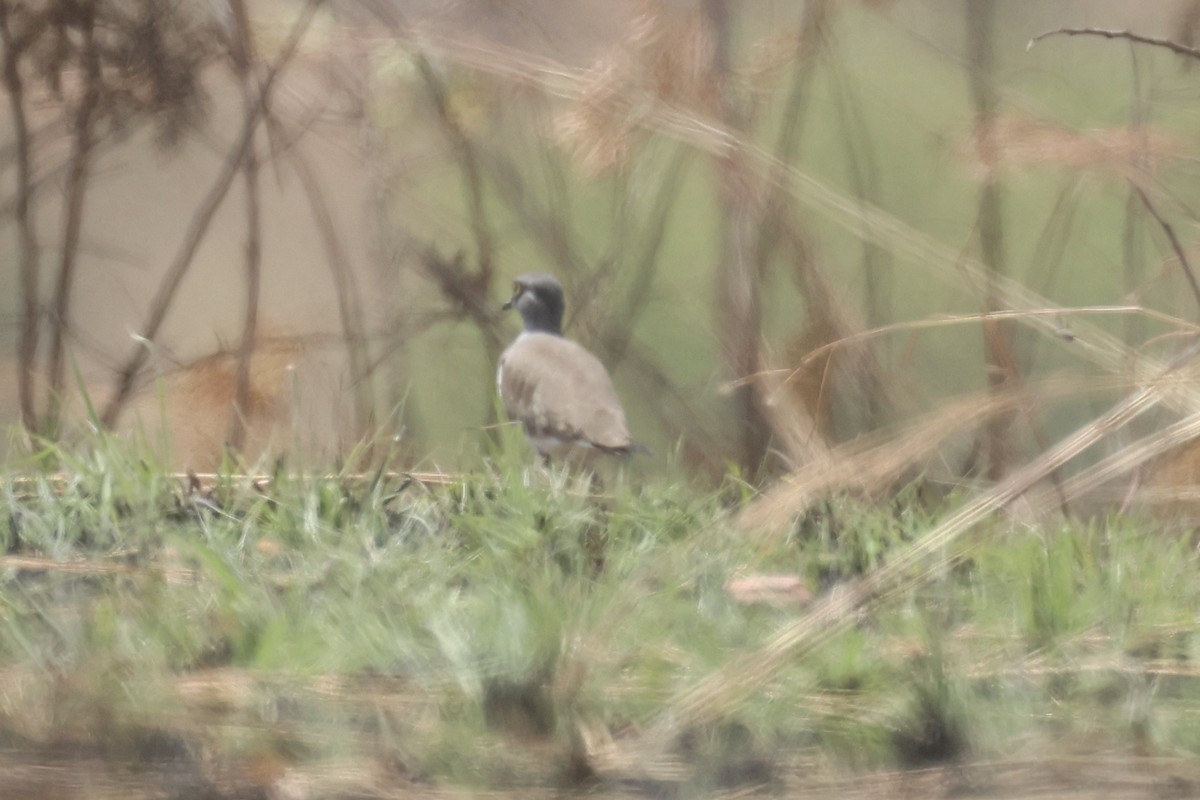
865	273
818	197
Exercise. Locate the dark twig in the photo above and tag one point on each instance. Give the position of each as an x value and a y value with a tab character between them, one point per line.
202	219
1176	245
459	286
83	141
27	240
1174	47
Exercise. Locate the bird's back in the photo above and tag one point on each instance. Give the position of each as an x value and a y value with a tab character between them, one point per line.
560	391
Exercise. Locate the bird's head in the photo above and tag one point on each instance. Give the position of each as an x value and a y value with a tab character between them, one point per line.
538	297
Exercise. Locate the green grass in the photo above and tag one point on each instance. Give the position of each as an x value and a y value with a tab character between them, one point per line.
496	632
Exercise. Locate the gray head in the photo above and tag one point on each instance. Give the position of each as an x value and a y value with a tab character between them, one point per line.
538	296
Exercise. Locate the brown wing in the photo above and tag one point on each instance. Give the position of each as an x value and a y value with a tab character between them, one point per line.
555	387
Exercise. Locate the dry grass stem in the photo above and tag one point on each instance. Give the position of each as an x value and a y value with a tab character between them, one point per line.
82	566
1130	458
713	696
1064	331
876	461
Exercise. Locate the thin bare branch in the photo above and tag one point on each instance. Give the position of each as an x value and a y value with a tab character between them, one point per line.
27	240
1174	47
169	286
1176	245
83	142
462	287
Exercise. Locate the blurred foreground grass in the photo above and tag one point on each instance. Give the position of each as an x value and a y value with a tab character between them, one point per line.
376	636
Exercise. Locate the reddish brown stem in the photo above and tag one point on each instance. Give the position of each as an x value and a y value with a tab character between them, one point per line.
243	52
738	277
999	361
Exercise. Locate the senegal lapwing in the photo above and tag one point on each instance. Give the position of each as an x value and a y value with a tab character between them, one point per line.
559	392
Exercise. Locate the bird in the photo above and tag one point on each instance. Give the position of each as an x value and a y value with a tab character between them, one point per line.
560	393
